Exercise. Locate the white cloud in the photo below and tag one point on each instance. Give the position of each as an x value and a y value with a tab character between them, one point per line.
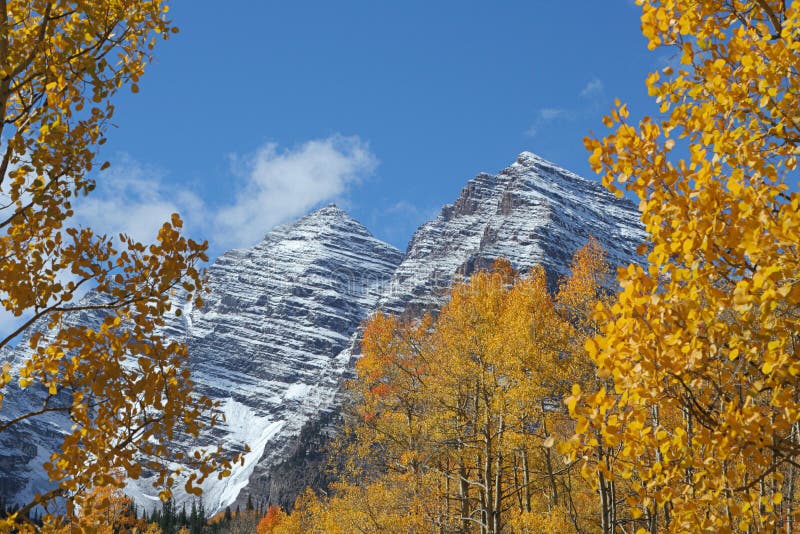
134	199
545	116
283	184
276	186
594	87
549	114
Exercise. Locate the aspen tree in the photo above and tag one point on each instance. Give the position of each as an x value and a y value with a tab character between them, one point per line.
699	352
124	387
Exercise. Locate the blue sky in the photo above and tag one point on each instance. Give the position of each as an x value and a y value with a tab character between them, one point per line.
259	110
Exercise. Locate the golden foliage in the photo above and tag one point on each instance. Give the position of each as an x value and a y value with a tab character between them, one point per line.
106	510
699	354
124	386
389	505
554	521
302	518
271	519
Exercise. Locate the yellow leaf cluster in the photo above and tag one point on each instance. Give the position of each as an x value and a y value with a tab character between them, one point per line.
701	405
124	387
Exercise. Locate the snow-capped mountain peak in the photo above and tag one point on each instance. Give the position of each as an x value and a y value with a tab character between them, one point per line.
280	327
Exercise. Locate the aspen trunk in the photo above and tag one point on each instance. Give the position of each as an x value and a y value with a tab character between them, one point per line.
517	487
653	515
789	497
479	468
488	501
526	479
463	491
612	493
573	513
549	465
498	471
443	518
605	506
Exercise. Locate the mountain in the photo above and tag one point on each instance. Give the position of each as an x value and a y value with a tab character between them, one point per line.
264	345
280	328
532	212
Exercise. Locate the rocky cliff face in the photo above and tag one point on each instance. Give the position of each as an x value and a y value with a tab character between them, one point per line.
280	327
532	212
266	342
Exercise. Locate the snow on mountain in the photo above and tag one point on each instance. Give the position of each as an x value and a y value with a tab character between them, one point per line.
276	315
280	328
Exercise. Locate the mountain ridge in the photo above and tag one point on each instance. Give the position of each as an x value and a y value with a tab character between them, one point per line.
280	328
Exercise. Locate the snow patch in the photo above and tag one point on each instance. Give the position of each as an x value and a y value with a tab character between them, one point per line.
297	391
244	427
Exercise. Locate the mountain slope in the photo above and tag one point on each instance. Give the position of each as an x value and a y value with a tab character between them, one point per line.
275	316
